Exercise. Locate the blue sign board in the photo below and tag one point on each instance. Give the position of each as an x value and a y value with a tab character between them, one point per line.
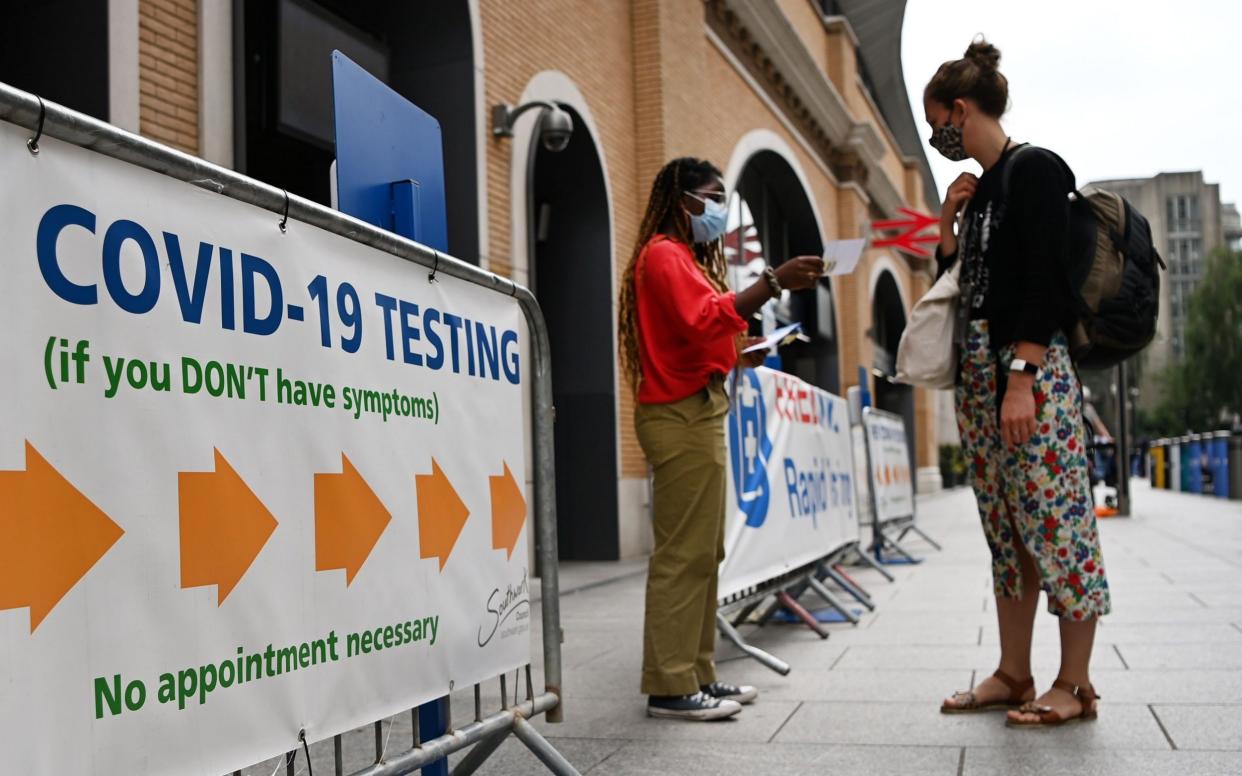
389	157
390	173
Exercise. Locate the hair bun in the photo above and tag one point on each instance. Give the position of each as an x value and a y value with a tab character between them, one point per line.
983	54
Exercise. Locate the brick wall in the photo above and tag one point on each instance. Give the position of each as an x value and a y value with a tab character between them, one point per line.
168	72
658	88
807	21
597	50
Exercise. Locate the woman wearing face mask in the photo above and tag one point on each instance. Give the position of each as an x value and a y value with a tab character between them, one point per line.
679	329
1019	402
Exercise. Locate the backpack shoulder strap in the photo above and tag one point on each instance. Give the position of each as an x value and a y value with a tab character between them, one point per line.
1024	150
1017	154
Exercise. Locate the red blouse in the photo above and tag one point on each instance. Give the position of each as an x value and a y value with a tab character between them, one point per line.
687	329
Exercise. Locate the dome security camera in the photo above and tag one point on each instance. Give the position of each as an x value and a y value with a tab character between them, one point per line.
556	127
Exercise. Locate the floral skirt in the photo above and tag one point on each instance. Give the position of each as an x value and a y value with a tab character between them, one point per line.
1037	493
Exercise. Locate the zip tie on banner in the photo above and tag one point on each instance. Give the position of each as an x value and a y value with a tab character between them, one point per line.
387	737
286	760
310	770
434	269
32	144
284	219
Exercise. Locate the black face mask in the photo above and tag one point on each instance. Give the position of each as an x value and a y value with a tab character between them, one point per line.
947	139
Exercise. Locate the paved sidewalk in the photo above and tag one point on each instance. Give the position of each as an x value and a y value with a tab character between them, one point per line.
1168	663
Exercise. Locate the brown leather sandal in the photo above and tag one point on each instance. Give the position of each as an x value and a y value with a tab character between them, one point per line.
1085	695
970	703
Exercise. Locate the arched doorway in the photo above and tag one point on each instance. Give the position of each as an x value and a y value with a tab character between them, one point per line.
570	249
887	324
771	219
284	131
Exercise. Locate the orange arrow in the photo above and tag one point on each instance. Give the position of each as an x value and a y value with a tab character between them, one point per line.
223	528
349	519
508	511
50	536
441	514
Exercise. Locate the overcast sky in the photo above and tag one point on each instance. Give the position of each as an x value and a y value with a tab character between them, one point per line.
1119	89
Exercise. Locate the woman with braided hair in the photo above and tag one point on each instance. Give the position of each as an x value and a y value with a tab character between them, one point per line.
680	329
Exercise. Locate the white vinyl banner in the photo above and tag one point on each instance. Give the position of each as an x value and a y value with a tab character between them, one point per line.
890	465
251	482
791	490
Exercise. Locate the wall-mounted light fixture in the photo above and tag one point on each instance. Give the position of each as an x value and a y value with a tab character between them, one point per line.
556	126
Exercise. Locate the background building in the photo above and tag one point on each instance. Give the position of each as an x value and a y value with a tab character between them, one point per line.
1231	225
1186	223
801	102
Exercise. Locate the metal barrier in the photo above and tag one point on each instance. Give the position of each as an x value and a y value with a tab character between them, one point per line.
785	532
784	592
45	118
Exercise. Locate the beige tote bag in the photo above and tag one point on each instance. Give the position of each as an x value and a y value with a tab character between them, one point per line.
927	353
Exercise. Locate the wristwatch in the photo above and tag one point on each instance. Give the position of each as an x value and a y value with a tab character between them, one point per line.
1022	365
769	275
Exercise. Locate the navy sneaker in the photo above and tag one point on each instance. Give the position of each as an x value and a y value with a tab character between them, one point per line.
730	692
699	707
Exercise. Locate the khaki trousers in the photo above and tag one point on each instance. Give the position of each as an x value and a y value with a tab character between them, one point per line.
684	442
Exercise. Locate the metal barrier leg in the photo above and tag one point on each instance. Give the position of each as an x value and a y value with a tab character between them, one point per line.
730	633
459	738
478	754
795	591
434	720
926	538
867	560
539	746
769	613
826	594
849	586
895	547
746	611
799	611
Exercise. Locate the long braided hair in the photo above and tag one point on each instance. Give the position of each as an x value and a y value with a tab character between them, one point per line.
666	214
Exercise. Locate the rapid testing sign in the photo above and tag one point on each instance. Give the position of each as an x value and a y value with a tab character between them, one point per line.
251	482
791	484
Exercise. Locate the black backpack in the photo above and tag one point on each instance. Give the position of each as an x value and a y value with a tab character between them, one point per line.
1112	270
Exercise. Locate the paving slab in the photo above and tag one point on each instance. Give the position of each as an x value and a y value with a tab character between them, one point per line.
879	724
1122	634
625	716
1159	686
640	758
1213	727
1042	762
1182	656
816	684
940	657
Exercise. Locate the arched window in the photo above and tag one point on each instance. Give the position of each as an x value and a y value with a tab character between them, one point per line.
771	220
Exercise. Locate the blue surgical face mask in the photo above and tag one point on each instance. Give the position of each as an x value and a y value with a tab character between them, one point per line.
712	223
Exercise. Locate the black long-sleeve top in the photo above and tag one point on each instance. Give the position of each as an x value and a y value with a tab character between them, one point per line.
1021	286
